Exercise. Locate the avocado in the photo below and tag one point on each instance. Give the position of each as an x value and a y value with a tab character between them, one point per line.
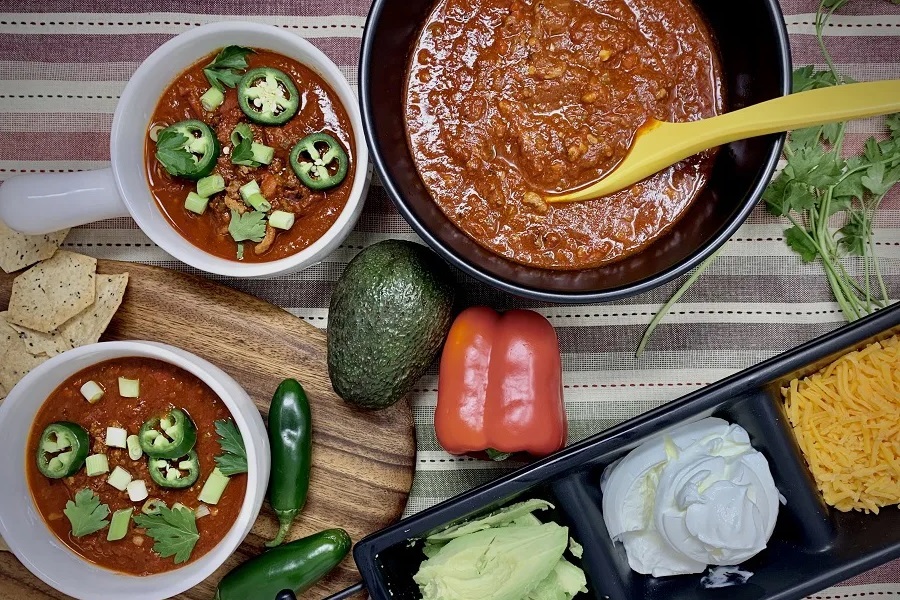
389	315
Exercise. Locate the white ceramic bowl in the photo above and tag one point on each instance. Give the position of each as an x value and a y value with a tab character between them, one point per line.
41	203
38	548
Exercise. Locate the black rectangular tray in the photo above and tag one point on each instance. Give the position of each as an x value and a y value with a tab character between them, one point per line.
813	546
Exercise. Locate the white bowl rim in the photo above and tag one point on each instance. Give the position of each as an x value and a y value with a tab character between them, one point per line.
325	68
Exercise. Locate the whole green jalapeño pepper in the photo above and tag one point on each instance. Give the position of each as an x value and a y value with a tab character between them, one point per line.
319	161
172	435
176	473
290	441
62	449
294	566
268	96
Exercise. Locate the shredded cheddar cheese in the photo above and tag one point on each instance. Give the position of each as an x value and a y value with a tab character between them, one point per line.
846	419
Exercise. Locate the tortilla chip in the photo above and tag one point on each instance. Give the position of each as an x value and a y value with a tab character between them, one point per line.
3	546
15	361
86	327
38	342
18	250
8	335
53	291
3	394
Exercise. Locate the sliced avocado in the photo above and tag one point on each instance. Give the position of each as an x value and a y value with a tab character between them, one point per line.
389	315
504	563
498	518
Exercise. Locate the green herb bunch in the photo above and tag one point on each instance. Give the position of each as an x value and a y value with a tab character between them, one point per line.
830	200
819	186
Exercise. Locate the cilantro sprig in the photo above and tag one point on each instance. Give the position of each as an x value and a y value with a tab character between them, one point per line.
171	152
248	226
226	69
86	514
820	187
233	459
174	531
242	140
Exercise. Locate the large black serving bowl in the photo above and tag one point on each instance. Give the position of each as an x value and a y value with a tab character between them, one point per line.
755	57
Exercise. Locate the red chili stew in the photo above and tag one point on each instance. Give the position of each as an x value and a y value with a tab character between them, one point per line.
314	210
162	387
508	100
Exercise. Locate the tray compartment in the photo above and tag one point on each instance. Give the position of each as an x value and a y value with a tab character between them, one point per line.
805	520
398	559
794	532
606	571
855	533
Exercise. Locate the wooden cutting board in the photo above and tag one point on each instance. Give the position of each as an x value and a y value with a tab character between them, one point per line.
363	462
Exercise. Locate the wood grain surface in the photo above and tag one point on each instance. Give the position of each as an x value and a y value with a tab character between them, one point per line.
363	462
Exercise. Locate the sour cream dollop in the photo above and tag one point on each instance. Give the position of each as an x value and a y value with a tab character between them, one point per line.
698	495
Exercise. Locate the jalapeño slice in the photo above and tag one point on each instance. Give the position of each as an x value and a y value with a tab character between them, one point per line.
172	435
319	161
187	149
268	96
177	473
62	450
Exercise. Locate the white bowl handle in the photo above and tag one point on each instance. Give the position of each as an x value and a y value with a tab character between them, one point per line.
47	202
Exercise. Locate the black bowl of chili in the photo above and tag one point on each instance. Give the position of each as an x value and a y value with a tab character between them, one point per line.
407	145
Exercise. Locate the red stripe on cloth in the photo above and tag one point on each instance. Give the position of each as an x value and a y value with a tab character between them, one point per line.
71	48
887	573
857	7
89	145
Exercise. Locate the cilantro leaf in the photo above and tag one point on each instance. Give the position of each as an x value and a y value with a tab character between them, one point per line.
231	57
172	154
807	78
174	531
893	121
221	72
242	139
243	154
222	78
855	234
248	226
800	197
874	181
814	167
831	132
86	514
774	197
800	243
850	186
803	138
801	78
234	457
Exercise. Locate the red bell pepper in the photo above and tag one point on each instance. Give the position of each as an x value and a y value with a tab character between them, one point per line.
500	385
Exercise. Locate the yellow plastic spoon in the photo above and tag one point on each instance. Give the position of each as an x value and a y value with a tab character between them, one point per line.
659	144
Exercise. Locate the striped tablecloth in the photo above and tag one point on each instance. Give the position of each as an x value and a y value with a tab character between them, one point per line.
63	65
